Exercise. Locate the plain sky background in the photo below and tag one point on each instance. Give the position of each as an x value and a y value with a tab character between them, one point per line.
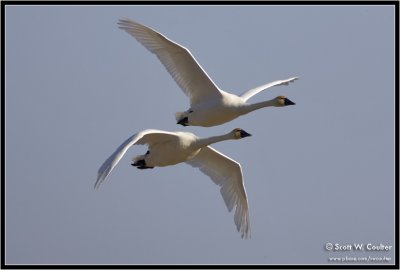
319	172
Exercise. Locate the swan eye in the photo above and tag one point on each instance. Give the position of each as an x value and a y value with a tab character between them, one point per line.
237	132
281	100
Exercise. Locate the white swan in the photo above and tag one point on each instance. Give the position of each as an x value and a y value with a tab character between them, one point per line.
209	105
170	148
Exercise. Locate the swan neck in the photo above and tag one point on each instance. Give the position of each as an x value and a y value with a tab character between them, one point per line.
203	142
259	105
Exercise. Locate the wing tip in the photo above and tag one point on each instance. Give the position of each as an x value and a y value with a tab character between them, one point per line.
98	182
245	227
246	234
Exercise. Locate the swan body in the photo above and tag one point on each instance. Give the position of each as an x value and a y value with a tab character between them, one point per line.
224	110
170	148
209	105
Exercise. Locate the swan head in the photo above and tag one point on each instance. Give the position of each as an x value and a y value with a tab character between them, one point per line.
239	133
283	101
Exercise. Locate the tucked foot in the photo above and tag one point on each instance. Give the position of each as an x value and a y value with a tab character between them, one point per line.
144	167
141	164
184	122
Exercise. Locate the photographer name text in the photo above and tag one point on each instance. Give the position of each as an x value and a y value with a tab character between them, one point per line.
357	247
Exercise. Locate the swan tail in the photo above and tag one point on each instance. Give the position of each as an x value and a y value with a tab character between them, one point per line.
180	115
182	118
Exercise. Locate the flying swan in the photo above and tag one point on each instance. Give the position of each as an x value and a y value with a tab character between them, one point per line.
209	105
170	148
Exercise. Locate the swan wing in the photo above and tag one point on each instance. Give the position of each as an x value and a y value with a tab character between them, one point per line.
226	173
178	61
248	94
149	137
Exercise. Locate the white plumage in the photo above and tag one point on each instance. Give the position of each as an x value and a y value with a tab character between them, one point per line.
209	105
170	148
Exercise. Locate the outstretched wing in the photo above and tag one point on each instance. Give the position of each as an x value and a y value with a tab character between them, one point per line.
226	173
248	94
178	60
149	137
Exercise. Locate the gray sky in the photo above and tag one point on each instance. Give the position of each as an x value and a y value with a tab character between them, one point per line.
319	172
